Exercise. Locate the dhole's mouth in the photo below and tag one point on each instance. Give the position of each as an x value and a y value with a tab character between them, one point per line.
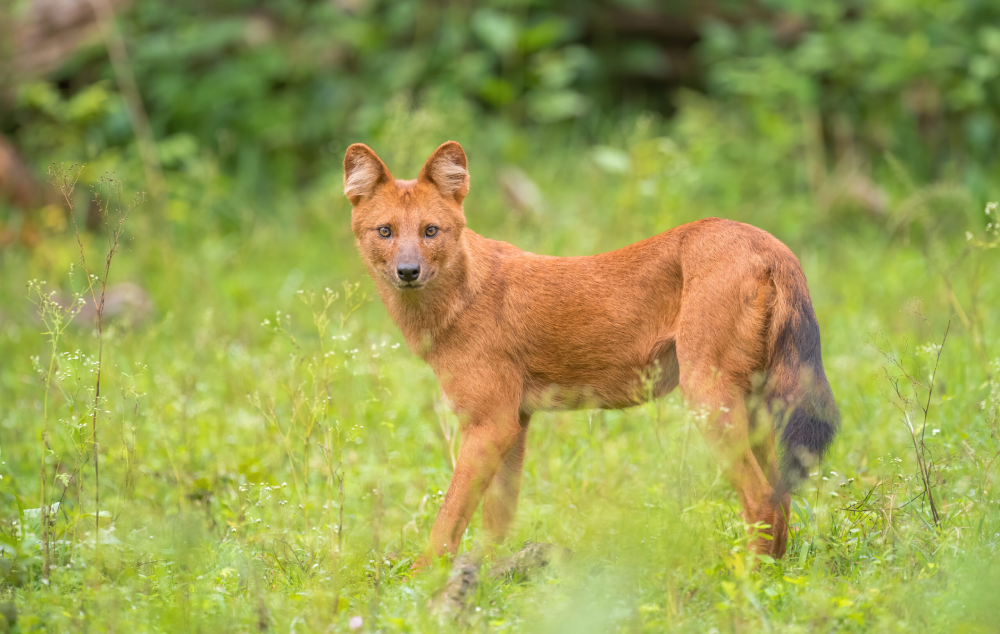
408	286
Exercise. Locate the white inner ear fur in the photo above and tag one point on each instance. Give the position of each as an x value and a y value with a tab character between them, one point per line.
362	179
450	177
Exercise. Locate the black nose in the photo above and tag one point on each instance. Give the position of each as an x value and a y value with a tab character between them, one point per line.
408	272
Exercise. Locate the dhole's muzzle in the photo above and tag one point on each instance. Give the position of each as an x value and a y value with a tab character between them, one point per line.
410	267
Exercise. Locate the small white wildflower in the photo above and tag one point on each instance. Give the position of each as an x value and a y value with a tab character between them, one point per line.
930	348
935	432
355	623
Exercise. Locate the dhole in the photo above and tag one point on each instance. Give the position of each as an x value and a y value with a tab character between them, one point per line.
718	307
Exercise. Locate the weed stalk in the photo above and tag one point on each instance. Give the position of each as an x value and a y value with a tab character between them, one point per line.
55	319
107	194
925	463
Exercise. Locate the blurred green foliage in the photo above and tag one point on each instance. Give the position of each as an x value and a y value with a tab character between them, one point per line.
274	91
269	88
917	79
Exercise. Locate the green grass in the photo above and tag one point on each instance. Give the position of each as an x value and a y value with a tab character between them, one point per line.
217	523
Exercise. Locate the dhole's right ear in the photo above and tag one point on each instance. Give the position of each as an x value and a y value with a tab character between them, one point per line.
364	172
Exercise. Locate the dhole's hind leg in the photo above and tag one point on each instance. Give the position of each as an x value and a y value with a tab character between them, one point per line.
500	501
762	444
721	344
719	406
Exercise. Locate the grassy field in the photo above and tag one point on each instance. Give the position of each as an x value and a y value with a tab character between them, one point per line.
271	456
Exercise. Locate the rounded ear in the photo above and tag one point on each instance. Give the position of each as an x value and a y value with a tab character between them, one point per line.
364	171
447	169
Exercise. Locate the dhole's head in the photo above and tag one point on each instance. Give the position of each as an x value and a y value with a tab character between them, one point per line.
408	232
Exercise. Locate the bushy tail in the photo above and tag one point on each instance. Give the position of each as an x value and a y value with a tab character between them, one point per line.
797	391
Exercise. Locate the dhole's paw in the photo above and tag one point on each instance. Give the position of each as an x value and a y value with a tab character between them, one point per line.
771	536
420	563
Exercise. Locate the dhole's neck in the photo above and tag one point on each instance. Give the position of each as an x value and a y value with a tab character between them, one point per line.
424	315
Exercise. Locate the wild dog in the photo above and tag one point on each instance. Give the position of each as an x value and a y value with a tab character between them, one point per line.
718	307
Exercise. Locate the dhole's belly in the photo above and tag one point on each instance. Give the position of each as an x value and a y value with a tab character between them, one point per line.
596	377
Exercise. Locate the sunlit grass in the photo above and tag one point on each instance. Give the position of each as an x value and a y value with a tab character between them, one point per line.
256	406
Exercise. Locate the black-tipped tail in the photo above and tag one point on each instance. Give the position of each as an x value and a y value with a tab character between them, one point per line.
799	396
804	440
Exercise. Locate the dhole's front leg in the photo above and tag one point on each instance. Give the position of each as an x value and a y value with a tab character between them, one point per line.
500	503
485	444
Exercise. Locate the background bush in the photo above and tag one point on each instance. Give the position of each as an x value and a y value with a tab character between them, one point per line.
274	91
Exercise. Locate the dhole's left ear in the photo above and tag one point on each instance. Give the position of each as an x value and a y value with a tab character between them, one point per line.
447	169
364	171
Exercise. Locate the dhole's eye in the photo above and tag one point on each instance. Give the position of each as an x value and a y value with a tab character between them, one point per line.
385	232
431	231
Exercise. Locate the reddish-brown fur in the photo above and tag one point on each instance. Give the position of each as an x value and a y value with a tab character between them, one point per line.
717	307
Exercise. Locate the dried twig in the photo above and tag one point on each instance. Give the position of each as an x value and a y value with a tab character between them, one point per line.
925	462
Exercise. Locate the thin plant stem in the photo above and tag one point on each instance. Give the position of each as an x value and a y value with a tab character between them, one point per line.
46	558
65	181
